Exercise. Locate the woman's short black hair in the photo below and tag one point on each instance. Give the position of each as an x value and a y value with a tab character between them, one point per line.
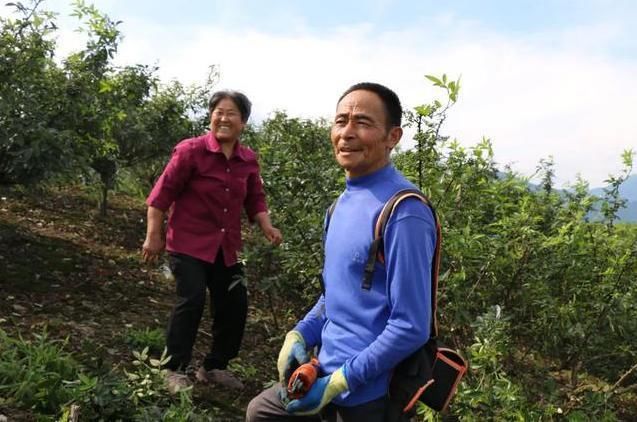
389	98
238	98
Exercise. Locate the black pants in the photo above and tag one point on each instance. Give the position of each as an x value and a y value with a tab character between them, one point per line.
229	307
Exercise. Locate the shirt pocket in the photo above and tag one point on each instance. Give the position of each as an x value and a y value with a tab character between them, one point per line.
238	184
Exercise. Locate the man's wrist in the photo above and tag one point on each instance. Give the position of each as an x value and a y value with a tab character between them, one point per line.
340	379
296	335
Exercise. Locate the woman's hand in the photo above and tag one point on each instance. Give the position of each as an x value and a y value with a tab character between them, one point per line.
273	235
270	232
152	248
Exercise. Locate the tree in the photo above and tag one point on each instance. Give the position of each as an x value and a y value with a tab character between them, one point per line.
32	102
301	180
171	113
122	116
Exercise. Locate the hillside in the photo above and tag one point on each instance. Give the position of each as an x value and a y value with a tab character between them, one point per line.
629	213
75	276
67	274
627	190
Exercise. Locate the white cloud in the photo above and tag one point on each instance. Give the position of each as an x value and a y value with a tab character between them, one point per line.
536	95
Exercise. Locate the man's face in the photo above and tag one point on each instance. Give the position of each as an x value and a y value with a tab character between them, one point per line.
225	121
360	136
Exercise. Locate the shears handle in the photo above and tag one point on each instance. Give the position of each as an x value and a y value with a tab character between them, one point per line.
302	379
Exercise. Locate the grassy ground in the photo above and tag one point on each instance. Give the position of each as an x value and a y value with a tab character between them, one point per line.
79	275
64	268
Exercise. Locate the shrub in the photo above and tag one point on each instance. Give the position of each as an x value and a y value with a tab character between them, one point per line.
35	372
153	338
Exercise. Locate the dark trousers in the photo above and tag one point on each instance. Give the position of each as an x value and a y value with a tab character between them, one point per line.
267	407
229	307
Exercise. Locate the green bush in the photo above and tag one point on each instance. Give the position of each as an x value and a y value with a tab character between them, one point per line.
36	372
103	397
488	392
153	338
298	195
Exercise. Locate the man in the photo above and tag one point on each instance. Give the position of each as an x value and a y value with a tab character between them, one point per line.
362	335
206	184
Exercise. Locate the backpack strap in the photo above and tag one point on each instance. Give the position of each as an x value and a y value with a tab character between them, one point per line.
376	250
328	217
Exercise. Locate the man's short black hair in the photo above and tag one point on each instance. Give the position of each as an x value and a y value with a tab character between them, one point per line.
238	98
389	98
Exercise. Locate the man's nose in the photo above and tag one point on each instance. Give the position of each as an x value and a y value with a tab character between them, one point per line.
347	131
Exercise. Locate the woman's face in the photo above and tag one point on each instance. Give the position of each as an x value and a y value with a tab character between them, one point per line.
225	121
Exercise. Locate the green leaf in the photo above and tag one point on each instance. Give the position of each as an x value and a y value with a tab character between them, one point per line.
105	86
435	80
423	110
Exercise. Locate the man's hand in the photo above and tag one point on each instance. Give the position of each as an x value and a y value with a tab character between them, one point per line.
291	356
152	248
322	392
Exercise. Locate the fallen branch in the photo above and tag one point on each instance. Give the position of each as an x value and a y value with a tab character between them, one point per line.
615	389
623	390
74	415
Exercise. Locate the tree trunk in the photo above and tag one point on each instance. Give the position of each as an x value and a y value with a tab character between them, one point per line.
107	169
104	200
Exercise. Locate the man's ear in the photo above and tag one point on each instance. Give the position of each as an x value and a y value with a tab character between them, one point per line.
395	133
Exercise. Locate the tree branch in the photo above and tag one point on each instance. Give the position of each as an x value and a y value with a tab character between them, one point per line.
615	388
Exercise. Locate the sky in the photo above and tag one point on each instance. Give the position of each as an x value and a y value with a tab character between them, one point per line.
552	78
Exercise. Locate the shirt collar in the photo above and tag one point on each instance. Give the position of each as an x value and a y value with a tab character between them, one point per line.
212	145
362	182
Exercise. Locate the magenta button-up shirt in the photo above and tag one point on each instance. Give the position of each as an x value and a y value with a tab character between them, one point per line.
207	192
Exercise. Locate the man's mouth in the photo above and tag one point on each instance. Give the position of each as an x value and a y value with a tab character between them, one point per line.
347	149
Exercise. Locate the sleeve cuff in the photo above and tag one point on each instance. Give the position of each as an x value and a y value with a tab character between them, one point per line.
155	203
253	213
352	384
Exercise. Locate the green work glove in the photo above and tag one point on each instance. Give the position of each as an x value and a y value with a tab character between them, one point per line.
321	393
292	355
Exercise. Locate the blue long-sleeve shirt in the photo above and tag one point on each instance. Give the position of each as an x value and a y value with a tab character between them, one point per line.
370	332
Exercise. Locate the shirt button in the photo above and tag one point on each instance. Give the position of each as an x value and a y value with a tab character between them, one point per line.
223	230
227	189
228	170
225	210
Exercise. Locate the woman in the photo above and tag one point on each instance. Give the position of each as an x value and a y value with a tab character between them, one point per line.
206	184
